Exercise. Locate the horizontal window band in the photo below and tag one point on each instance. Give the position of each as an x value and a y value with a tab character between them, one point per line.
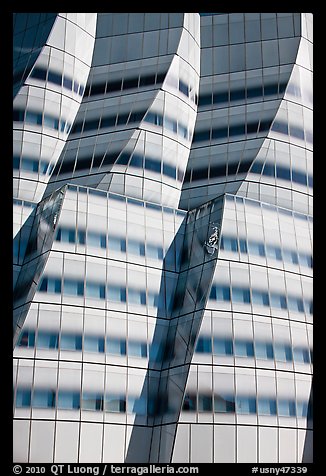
242	94
257	168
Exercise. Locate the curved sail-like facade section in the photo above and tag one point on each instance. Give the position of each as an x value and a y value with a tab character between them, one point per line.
163	238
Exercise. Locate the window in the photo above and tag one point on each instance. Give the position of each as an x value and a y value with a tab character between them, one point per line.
136	297
302	409
154	252
68	400
223	346
283	352
116	404
243	348
93	344
137	349
204	345
115	346
92	401
278	301
295	304
23	398
81	237
266	406
290	256
286	408
243	246
137	405
47	340
96	239
205	403
274	252
305	260
220	293
136	248
255	248
245	405
116	293
95	290
301	355
50	285
264	350
189	403
73	288
224	404
71	342
240	295
26	339
43	399
260	298
229	244
116	244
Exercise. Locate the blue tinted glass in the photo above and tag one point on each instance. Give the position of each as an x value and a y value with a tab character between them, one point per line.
283	173
43	399
223	346
280	127
266	406
283	352
73	288
243	348
189	403
137	349
224	404
278	301
93	344
230	244
114	403
240	295
260	298
264	350
302	409
95	290
204	403
301	355
70	342
295	304
243	246
245	405
255	248
286	408
46	340
81	237
27	339
23	398
92	401
68	400
204	345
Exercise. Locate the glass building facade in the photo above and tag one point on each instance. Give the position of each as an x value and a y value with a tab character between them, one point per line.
162	237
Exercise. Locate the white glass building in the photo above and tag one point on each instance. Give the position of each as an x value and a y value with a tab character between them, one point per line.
162	237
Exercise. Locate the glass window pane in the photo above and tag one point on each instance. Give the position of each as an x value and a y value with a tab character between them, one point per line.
224	404
283	352
286	407
23	398
266	406
264	350
46	340
189	403
204	403
70	342
43	399
223	346
93	344
246	405
68	400
244	348
115	404
92	402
